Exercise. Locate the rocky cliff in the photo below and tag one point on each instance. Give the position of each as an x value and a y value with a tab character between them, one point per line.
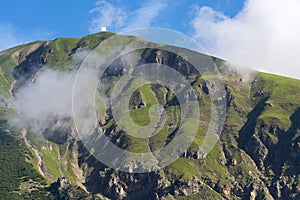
257	156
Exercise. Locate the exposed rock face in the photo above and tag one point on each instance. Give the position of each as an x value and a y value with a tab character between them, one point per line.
192	154
59	135
62	189
257	157
29	66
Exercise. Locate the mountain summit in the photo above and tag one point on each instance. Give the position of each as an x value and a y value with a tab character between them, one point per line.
257	155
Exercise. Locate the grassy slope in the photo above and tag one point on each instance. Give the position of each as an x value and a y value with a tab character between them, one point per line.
284	98
226	164
281	93
18	163
14	170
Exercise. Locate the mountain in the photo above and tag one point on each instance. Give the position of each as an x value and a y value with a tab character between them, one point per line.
257	156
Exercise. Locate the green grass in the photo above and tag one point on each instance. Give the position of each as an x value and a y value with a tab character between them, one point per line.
281	99
184	168
51	159
137	145
214	168
63	149
13	168
50	156
91	41
7	65
58	161
205	193
58	51
37	140
140	116
148	94
4	87
278	116
32	159
282	89
283	96
66	164
159	140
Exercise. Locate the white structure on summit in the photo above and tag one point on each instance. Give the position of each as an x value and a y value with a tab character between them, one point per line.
103	28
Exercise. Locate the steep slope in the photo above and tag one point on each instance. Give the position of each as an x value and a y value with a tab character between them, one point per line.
257	156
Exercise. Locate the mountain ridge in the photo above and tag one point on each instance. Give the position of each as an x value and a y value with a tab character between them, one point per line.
250	161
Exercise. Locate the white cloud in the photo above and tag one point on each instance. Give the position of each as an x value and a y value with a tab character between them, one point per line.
106	15
118	19
49	95
143	16
265	35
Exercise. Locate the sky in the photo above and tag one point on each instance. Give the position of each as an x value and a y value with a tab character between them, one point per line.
260	34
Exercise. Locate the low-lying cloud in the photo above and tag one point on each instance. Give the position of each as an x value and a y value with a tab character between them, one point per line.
264	35
49	95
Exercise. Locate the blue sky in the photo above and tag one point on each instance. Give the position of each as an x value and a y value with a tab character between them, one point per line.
260	34
36	19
